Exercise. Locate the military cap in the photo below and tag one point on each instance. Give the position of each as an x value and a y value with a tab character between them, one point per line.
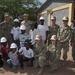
38	37
65	18
6	14
53	37
53	17
25	14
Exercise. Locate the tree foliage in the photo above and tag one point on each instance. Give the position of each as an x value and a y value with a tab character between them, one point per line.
19	7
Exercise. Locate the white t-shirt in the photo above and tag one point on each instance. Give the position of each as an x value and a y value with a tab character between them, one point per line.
15	31
42	31
27	53
13	57
22	38
33	35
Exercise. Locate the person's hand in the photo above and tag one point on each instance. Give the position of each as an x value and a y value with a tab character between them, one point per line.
62	41
35	57
23	57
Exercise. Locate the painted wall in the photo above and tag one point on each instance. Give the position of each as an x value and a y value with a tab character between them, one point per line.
59	15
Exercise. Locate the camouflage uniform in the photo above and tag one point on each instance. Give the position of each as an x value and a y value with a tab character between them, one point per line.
73	43
5	29
52	31
54	57
27	24
39	55
64	33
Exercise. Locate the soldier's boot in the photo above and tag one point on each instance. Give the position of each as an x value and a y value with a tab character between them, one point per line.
65	58
40	71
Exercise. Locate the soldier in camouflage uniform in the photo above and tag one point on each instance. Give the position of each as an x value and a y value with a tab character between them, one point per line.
53	29
26	22
39	54
5	28
63	35
54	56
73	41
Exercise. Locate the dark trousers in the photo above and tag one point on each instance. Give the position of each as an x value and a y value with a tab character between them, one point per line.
5	57
22	59
1	61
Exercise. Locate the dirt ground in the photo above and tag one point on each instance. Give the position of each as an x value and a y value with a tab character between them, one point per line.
67	69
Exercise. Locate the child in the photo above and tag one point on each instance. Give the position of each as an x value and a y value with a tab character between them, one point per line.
5	47
15	31
26	54
33	32
13	56
23	36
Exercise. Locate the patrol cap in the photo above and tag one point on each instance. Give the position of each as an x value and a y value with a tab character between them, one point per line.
25	14
53	37
13	45
65	18
3	39
16	20
38	37
41	18
53	17
6	14
23	27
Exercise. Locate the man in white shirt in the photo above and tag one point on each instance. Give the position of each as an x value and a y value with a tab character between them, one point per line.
43	29
33	32
26	54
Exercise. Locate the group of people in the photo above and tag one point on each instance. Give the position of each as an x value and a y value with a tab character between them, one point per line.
37	47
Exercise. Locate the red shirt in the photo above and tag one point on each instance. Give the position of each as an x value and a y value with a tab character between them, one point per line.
5	49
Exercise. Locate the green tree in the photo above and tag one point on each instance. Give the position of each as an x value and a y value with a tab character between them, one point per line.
19	7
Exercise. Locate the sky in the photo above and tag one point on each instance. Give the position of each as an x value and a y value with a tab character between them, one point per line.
42	1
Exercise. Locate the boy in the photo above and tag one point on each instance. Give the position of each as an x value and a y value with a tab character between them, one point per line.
26	54
33	32
15	31
13	56
23	36
5	47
